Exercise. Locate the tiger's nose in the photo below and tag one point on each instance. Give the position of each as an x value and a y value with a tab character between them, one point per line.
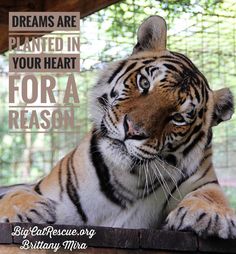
133	131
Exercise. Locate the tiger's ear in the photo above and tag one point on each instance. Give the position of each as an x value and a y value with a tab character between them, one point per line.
151	35
224	106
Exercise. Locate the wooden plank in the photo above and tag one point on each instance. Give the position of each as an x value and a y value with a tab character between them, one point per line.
4	38
88	7
168	240
122	251
106	251
104	237
85	7
9	6
216	245
15	249
5	233
117	240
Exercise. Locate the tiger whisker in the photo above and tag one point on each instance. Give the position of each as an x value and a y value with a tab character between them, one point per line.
173	180
171	166
165	184
151	181
160	182
146	183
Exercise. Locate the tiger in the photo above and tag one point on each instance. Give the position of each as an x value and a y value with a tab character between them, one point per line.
147	161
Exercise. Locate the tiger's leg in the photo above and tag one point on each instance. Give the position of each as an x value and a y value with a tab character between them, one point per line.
25	205
54	199
205	212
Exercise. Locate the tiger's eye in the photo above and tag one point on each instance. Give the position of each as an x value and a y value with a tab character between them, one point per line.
178	118
144	83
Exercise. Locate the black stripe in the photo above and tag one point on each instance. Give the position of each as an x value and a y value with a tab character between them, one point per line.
130	67
187	61
143	150
103	100
176	61
124	190
60	178
111	120
197	95
73	194
209	138
232	222
20	217
216	218
182	219
184	178
148	61
208	226
154	69
147	69
15	194
144	58
206	96
171	67
209	199
195	130
179	210
73	168
122	99
171	159
205	172
179	182
121	65
113	93
210	182
150	188
115	114
202	215
200	113
37	188
37	213
103	174
29	219
205	158
188	149
229	228
1	196
163	81
46	208
191	64
50	210
136	70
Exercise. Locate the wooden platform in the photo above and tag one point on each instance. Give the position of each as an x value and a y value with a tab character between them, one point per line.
110	240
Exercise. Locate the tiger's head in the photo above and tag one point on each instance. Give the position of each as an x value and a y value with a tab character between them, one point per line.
156	104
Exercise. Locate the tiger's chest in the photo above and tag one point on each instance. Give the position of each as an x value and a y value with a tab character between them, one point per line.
104	209
143	214
117	200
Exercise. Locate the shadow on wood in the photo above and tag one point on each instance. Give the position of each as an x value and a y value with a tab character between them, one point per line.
67	238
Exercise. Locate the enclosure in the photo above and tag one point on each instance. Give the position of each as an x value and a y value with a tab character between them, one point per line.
204	30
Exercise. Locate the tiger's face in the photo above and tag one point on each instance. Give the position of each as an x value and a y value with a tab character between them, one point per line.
156	103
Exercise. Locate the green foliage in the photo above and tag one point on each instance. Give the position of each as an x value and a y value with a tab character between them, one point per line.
231	194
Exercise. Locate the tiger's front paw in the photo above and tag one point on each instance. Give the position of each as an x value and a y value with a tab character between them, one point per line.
203	218
26	206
